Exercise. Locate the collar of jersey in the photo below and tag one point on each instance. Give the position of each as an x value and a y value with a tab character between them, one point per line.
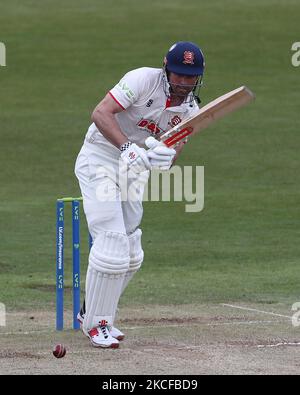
182	108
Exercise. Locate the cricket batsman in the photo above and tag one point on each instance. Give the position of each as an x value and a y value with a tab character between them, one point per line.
123	142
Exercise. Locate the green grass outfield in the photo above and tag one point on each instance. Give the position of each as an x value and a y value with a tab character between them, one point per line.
63	56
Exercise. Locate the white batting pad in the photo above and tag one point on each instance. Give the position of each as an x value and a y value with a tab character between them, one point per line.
135	250
136	256
108	264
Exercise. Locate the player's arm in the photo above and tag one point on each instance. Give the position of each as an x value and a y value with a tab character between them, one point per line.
104	118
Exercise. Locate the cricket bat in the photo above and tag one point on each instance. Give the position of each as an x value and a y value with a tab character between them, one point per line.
208	114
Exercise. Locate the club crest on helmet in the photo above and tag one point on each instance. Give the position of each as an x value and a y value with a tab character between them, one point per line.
185	58
188	57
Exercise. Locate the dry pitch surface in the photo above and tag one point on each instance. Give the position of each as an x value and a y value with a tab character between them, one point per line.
188	339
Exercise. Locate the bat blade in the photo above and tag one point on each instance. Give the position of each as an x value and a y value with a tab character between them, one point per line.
208	114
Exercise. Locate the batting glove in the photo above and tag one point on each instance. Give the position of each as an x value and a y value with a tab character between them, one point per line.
136	158
160	156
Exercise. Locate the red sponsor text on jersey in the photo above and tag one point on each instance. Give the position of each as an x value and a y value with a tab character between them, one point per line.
150	126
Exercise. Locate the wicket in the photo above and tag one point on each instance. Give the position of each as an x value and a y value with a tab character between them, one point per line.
60	228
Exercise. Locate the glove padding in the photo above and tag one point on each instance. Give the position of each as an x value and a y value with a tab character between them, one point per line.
160	156
136	159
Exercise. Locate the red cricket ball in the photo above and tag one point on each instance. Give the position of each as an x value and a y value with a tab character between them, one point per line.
59	351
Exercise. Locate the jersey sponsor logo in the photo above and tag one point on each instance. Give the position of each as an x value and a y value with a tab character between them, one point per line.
126	89
150	126
188	57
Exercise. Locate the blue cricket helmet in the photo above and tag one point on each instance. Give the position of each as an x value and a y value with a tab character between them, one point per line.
185	58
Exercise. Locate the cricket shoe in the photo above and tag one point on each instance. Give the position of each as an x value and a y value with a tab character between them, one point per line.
101	337
115	332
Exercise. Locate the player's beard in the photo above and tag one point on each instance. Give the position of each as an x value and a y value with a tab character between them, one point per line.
181	90
181	93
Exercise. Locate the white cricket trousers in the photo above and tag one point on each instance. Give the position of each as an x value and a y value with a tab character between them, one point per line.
111	201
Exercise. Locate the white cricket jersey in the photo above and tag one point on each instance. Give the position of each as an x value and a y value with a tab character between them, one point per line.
146	113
